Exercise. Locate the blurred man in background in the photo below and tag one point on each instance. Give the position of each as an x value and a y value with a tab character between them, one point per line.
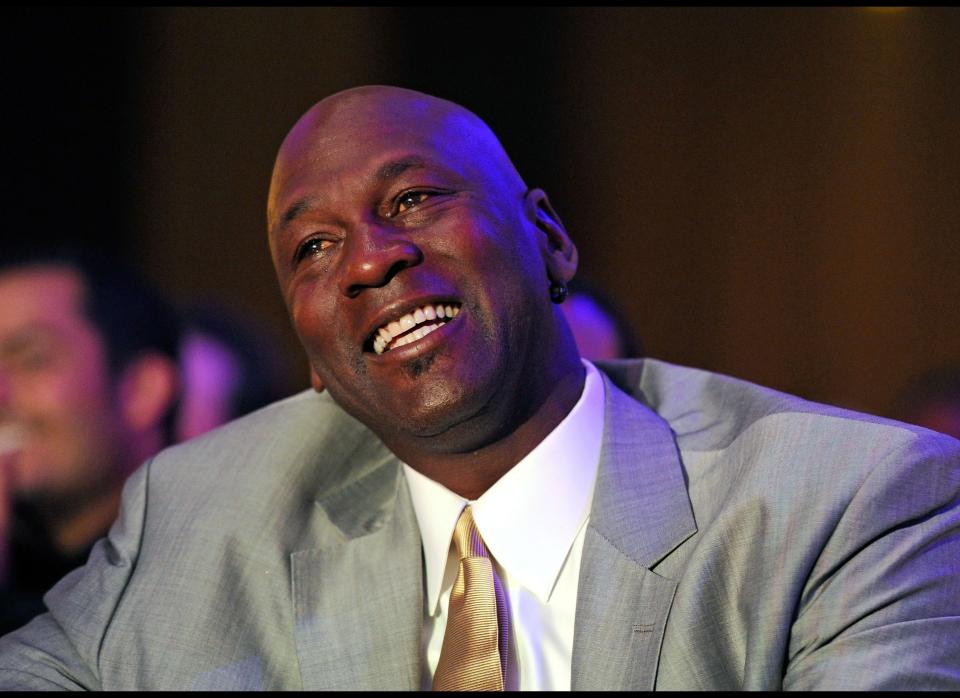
88	386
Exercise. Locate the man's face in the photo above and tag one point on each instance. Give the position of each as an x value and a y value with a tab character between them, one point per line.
56	398
379	220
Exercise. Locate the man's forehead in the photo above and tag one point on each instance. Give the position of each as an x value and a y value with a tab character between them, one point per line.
372	154
383	113
365	130
43	292
370	134
52	278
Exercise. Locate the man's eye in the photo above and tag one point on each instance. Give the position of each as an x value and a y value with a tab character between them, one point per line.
410	199
314	247
29	359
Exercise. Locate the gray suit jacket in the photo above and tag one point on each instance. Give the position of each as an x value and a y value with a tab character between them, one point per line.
739	538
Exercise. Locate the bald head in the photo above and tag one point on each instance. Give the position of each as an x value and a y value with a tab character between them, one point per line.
393	116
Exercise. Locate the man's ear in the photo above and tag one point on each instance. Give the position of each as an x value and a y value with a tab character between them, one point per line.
316	381
148	387
560	254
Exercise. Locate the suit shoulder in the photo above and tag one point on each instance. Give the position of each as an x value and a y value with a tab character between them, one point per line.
284	449
281	427
709	411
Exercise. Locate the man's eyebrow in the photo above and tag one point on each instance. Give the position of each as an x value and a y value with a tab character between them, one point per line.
398	167
294	211
385	172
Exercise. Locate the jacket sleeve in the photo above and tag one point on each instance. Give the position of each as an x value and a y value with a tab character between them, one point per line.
60	649
881	609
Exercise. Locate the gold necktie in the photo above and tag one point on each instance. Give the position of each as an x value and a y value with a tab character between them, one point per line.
473	656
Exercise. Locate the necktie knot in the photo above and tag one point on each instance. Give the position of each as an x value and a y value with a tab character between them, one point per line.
466	537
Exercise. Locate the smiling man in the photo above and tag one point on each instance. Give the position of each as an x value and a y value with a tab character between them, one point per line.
88	386
462	502
386	208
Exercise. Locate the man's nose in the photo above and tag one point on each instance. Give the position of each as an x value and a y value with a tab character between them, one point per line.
375	254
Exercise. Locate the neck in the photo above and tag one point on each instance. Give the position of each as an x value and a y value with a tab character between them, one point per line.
472	473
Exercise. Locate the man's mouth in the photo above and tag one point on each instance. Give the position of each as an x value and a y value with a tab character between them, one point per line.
11	438
414	325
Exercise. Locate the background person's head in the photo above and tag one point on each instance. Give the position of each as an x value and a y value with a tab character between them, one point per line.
599	326
932	399
88	383
229	367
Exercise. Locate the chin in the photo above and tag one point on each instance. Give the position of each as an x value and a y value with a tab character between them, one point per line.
461	425
439	412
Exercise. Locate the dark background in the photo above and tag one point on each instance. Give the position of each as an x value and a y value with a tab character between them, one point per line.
769	192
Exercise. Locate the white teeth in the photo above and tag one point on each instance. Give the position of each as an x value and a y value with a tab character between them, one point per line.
389	332
11	437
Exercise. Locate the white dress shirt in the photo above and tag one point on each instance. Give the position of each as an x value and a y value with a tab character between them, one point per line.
533	521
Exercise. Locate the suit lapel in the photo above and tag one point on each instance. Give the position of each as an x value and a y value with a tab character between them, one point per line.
357	594
641	511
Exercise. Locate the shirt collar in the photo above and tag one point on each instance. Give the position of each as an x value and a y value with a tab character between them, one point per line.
530	516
